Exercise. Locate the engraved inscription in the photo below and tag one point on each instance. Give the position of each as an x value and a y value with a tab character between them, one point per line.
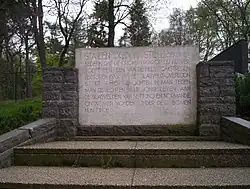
137	85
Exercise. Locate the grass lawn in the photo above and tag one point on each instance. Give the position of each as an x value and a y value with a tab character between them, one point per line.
11	107
16	114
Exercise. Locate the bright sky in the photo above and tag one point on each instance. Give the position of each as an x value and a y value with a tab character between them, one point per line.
162	16
160	20
185	4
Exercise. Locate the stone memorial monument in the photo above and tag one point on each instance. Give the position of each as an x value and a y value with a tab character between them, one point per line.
137	86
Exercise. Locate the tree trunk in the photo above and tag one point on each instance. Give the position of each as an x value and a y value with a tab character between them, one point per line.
39	35
11	76
111	19
63	53
27	69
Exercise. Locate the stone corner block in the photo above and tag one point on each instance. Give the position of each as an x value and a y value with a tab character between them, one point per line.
202	69
209	130
13	138
67	128
235	129
221	63
7	158
40	126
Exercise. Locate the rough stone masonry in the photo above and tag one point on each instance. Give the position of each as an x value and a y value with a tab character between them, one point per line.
60	99
137	86
144	86
216	95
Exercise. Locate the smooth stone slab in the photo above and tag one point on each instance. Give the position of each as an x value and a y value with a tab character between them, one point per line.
186	145
66	176
133	147
74	178
13	138
148	178
137	86
83	145
80	147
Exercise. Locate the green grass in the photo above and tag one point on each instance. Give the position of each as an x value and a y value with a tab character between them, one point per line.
16	114
11	107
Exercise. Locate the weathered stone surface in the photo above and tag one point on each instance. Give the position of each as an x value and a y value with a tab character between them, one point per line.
209	129
219	178
40	127
210	119
221	71
71	79
67	112
137	86
65	178
137	130
50	104
43	130
209	81
67	104
133	154
235	129
69	95
143	161
209	91
228	91
77	160
47	136
221	109
51	95
216	95
52	86
6	158
70	72
13	138
67	128
60	98
69	87
53	77
145	138
202	70
50	112
225	99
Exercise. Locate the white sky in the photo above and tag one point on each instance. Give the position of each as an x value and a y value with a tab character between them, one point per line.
160	19
185	4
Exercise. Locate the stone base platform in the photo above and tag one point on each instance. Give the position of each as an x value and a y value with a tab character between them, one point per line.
138	130
139	154
126	178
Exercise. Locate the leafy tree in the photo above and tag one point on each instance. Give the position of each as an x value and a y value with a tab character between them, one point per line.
179	31
138	32
53	40
69	13
106	16
97	32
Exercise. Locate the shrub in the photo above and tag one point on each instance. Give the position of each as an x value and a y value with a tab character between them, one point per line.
243	95
17	114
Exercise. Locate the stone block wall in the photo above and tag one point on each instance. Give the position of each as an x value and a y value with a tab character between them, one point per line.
236	130
60	99
40	131
216	95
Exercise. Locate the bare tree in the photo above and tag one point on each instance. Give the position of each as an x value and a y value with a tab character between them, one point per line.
68	13
35	13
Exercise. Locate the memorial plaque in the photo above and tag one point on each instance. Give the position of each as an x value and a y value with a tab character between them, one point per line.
137	86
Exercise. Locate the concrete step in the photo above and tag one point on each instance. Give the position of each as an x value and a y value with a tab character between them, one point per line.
145	138
127	178
138	130
159	154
